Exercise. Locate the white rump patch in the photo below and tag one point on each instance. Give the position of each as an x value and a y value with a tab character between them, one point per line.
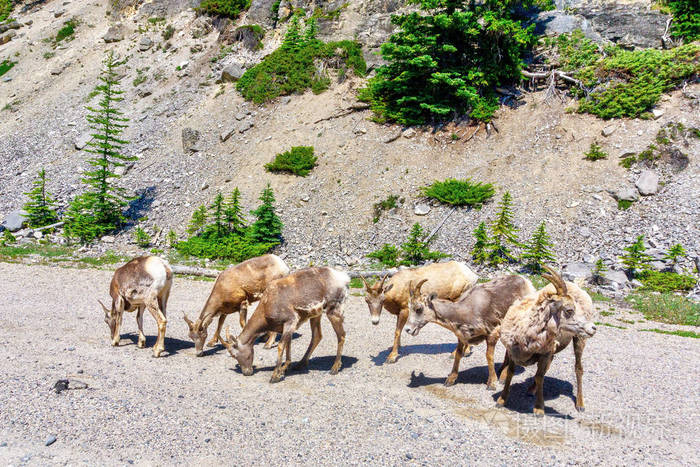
158	270
468	273
341	279
284	269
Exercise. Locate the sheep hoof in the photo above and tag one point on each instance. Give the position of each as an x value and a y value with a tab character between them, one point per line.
275	379
491	387
450	382
538	412
500	402
392	358
212	343
581	409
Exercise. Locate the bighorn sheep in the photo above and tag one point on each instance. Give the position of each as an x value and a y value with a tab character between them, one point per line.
448	280
234	290
285	305
474	317
542	324
143	282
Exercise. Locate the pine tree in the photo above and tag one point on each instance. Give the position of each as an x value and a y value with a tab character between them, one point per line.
310	31
292	40
503	234
234	213
99	210
199	220
172	238
41	206
218	216
267	227
539	250
415	250
481	237
636	258
675	253
599	271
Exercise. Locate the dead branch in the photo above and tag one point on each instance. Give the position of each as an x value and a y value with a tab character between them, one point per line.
344	112
435	230
46	227
555	74
204	272
476	130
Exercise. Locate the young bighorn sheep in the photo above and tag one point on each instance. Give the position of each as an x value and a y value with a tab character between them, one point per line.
285	305
448	280
542	324
141	283
476	316
234	290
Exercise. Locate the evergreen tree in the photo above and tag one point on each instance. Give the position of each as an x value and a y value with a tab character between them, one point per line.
99	210
503	235
675	253
415	251
599	271
172	238
218	216
234	213
292	40
310	31
539	250
199	220
481	237
267	227
636	258
41	206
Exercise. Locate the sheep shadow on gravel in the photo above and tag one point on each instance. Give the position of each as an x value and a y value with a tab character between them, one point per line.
405	350
172	345
259	341
522	402
477	375
322	364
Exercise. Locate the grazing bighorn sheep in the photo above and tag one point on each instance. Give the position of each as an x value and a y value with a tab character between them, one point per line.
476	316
234	290
448	280
542	324
143	282
285	305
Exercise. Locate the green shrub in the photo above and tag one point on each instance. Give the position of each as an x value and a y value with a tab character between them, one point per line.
141	238
388	255
622	83
666	281
226	8
7	238
384	205
675	253
6	66
628	161
636	258
624	204
459	192
66	31
444	61
299	161
5	9
291	68
595	153
666	307
686	19
168	32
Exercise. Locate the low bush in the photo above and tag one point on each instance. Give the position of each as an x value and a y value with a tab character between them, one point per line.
388	255
412	252
666	281
226	8
666	307
141	238
67	31
686	19
5	9
459	192
5	66
384	205
168	32
299	161
595	153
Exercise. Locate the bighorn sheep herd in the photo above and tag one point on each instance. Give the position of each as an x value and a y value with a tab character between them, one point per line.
532	325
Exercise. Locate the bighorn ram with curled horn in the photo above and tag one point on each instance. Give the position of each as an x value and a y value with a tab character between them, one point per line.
141	283
234	290
304	295
476	316
543	324
447	280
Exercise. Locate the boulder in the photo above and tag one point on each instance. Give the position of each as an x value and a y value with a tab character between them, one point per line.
7	26
231	73
14	220
226	134
107	239
573	271
608	130
260	11
648	183
615	279
7	37
421	209
145	43
657	113
245	126
114	34
190	137
410	133
82	140
626	193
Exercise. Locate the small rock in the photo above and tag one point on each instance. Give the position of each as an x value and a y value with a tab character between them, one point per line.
410	133
240	116
393	136
14	220
204	186
421	209
231	73
58	13
145	43
585	232
657	113
245	126
107	239
608	130
573	271
226	134
123	169
615	278
648	183
285	100
190	137
38	235
144	91
626	193
82	140
114	34
305	198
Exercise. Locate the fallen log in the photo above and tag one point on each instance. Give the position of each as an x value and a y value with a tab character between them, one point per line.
549	74
204	272
344	112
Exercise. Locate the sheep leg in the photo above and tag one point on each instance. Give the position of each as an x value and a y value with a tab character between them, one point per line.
532	390
316	337
510	370
459	352
284	344
400	323
542	367
337	322
162	322
217	335
243	313
139	322
270	343
504	367
490	347
579	345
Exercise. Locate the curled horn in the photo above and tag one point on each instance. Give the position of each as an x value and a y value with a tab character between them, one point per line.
381	285
556	280
230	342
103	307
420	284
410	288
364	282
187	320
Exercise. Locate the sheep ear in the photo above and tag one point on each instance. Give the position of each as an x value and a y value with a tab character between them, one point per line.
432	297
388	288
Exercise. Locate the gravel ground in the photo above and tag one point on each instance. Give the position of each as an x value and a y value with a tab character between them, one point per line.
184	410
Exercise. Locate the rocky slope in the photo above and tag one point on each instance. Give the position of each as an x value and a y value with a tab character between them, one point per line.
194	136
